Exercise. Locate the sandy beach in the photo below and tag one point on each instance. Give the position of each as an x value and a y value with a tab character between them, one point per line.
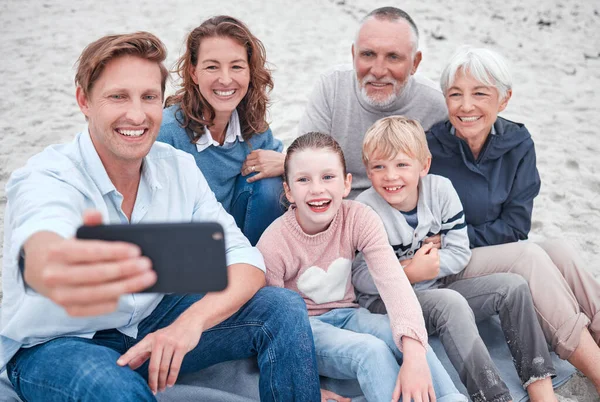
552	46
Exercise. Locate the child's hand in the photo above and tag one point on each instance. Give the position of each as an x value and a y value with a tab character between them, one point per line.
332	396
414	379
425	265
436	240
428	261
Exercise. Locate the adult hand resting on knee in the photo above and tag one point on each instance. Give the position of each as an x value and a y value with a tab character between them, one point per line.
166	349
86	277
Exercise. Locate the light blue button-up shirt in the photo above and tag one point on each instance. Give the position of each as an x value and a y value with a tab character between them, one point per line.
51	193
232	134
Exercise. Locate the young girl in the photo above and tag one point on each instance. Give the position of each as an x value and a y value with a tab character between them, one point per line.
219	116
310	250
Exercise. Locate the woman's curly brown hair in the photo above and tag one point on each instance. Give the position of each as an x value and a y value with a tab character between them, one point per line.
197	112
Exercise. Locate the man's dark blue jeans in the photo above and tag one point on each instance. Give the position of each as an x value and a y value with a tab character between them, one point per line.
273	326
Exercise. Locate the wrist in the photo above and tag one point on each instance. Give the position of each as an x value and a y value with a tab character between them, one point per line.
429	275
192	321
411	273
412	347
280	165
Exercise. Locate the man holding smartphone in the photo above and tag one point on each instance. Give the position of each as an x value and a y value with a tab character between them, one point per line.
73	326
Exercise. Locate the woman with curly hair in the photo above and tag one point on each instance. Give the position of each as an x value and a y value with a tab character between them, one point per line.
219	116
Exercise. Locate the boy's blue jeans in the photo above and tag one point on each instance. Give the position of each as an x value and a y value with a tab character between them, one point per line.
273	326
355	343
255	205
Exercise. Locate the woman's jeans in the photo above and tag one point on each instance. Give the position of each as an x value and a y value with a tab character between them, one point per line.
353	343
255	205
273	326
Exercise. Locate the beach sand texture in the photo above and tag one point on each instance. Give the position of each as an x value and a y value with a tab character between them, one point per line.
552	46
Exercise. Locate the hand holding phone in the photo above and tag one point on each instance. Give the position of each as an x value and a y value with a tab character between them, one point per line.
187	257
86	277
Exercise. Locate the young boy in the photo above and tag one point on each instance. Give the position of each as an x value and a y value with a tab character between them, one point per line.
425	223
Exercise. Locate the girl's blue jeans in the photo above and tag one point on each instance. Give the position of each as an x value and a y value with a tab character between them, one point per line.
353	343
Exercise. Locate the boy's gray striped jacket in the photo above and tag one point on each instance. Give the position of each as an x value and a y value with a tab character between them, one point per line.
439	210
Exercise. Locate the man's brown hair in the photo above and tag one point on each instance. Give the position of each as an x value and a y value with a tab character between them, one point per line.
97	54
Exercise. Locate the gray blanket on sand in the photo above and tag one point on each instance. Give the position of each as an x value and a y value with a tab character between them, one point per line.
237	381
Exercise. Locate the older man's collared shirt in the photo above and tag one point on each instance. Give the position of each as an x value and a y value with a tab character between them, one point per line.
234	132
51	193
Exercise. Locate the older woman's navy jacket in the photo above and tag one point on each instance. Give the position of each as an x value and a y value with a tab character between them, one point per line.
497	189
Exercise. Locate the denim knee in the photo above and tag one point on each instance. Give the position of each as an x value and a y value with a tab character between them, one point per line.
89	377
374	350
269	190
262	207
286	324
267	194
116	384
282	304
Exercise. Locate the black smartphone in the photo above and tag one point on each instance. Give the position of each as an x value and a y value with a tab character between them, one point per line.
187	257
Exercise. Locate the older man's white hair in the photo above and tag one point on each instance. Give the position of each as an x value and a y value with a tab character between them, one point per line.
393	14
484	65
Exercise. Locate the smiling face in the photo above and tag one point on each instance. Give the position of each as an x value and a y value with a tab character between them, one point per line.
316	184
222	73
473	107
397	180
384	59
124	109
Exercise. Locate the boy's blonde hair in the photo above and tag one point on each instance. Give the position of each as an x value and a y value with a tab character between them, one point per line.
391	135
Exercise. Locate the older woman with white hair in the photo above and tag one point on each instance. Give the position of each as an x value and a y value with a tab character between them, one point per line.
492	164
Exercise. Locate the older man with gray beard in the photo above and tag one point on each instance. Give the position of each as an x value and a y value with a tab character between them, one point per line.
382	82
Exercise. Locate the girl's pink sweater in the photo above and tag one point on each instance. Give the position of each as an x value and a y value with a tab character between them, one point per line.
319	266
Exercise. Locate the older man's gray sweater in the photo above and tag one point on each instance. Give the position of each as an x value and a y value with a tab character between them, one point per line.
336	107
